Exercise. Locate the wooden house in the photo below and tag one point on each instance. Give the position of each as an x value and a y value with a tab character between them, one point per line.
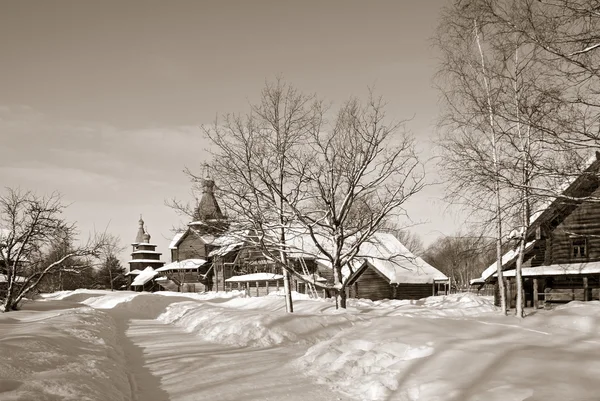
562	255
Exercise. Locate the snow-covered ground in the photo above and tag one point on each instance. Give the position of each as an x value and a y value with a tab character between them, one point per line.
97	345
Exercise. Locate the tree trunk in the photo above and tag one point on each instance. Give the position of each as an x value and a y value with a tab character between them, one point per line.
343	298
496	166
520	311
289	306
501	286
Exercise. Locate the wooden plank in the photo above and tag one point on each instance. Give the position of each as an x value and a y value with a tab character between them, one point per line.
535	293
508	292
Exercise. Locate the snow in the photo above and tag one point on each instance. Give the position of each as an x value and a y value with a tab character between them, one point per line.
103	345
187	264
145	261
506	258
146	275
175	240
255	277
386	254
557	270
313	278
146	252
134	271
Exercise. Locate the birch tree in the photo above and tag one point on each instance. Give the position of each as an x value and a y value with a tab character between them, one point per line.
471	138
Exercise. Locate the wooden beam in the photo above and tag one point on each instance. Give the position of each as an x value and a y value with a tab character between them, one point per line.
535	293
586	293
508	293
267	286
257	294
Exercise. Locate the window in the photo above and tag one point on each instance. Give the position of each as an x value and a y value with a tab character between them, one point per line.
579	247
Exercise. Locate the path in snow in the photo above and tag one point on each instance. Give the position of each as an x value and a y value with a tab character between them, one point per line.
169	364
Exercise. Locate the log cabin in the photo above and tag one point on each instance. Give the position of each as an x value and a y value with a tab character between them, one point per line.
562	253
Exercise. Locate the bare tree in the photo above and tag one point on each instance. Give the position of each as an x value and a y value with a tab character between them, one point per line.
29	226
284	169
411	240
471	137
253	163
365	163
461	257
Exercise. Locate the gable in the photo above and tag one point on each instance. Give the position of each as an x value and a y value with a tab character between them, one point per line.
553	214
191	246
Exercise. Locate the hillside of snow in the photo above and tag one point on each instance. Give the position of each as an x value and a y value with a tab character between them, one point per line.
100	345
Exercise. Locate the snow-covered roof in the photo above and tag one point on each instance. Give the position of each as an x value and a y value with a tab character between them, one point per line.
506	258
146	275
313	278
175	240
134	272
558	270
143	244
146	251
385	253
568	181
187	264
145	261
255	277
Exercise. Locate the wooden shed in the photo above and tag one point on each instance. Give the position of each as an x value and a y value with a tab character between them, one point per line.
388	270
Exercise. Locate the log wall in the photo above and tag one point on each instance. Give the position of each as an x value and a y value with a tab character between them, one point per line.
371	285
191	247
583	221
414	291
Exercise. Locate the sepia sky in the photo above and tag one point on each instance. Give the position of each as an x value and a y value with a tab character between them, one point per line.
102	100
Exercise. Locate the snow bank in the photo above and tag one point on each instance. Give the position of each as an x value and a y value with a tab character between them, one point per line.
61	355
581	317
363	367
256	322
448	306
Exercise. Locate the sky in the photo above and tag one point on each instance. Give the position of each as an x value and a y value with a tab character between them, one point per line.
103	101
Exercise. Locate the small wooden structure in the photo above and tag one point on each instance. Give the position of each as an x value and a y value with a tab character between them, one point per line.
257	284
388	270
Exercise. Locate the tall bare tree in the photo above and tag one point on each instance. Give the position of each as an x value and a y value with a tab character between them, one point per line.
29	226
253	161
284	169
